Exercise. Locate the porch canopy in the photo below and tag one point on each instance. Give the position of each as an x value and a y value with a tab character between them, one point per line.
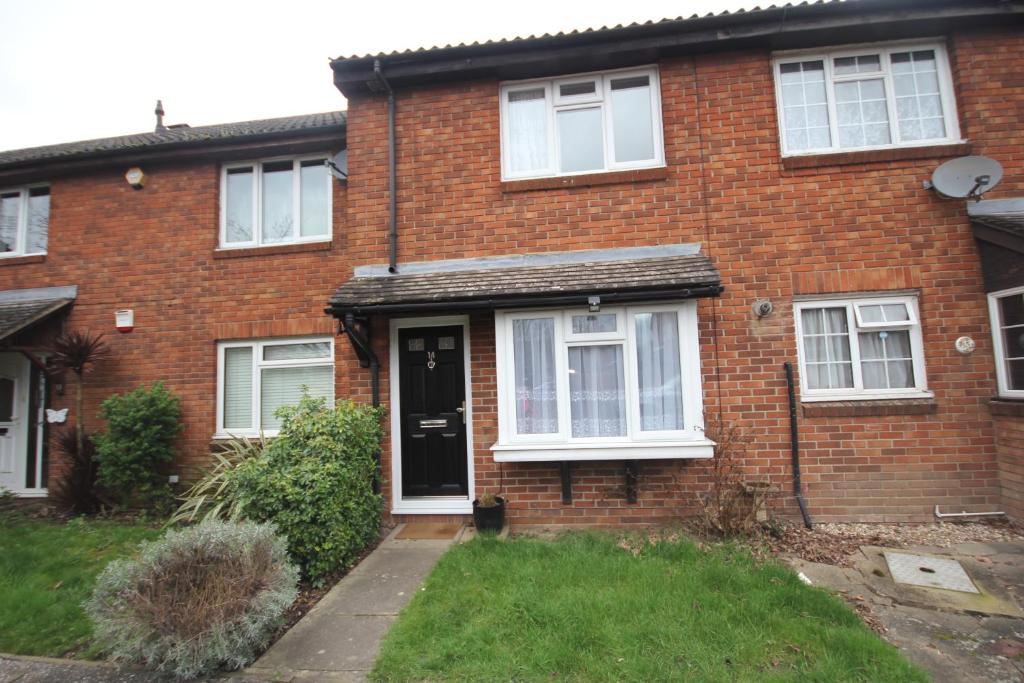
23	309
574	278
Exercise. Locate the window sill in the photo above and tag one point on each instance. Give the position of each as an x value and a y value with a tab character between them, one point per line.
871	408
585	180
272	249
633	450
1007	407
21	260
876	155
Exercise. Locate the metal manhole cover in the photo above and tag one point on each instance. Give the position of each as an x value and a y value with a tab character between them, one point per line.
930	572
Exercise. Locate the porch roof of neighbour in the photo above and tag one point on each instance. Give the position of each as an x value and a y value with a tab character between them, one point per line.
795	25
179	142
562	278
999	221
22	308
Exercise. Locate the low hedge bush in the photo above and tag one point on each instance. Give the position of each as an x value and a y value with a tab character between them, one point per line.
204	597
314	482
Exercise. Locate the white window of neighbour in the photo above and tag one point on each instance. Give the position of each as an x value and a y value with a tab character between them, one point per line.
619	375
255	378
860	348
581	124
275	202
1006	310
24	220
865	98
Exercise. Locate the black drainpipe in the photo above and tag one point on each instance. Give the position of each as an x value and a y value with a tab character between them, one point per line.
362	346
392	172
794	441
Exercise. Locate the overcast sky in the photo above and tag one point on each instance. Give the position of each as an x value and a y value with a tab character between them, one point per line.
80	69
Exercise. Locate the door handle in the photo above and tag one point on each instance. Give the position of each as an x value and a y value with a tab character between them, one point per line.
461	410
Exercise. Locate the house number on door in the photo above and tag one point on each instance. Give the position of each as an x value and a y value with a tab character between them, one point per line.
430	360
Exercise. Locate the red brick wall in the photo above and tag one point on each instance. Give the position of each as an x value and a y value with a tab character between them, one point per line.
772	232
154	251
1009	423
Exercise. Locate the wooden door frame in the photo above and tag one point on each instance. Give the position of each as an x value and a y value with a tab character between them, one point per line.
439	505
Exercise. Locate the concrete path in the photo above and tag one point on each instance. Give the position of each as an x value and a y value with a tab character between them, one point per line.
338	639
956	637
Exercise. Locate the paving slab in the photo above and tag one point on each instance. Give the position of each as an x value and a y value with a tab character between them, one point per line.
339	638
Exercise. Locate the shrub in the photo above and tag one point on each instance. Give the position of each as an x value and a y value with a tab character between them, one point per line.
314	482
215	495
75	490
141	428
730	506
197	599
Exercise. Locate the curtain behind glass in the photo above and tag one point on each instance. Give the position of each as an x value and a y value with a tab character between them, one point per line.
527	131
536	395
597	391
238	388
283	387
658	373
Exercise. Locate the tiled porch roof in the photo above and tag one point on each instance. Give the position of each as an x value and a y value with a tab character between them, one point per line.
565	278
22	308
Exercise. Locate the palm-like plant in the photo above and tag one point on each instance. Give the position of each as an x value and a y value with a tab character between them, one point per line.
77	351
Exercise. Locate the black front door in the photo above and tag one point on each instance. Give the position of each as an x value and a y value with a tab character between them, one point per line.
433	411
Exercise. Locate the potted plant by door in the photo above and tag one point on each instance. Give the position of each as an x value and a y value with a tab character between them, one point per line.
489	512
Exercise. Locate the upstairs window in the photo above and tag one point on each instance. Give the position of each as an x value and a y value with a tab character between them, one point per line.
281	201
865	98
581	124
24	221
860	348
1006	309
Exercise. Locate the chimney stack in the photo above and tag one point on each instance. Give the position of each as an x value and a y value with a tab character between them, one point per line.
160	127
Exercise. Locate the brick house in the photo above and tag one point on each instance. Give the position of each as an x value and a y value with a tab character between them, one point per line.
553	256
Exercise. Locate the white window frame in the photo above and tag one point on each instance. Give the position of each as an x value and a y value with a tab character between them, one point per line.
257	202
689	442
23	197
885	51
999	349
258	365
555	103
858	392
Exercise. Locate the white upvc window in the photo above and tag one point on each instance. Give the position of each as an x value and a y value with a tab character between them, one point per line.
24	220
860	348
275	201
621	378
255	378
1006	311
862	98
585	123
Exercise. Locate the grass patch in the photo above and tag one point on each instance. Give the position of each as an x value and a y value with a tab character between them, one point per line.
47	569
581	608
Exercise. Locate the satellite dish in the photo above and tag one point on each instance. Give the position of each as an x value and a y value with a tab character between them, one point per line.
967	177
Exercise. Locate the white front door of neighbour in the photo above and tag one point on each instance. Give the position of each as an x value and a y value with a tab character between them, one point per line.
14	386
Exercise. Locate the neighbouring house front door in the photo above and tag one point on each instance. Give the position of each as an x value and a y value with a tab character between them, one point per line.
14	381
432	390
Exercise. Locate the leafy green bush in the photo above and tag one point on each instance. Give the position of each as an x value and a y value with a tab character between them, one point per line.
195	600
140	433
314	482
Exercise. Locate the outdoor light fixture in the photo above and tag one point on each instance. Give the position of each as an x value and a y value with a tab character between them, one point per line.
124	320
595	303
135	177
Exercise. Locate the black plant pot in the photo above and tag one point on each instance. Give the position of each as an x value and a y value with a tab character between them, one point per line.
490	518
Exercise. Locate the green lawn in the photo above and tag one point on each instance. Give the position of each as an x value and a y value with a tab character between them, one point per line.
47	569
582	609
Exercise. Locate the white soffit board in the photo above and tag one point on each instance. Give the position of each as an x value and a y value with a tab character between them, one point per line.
930	572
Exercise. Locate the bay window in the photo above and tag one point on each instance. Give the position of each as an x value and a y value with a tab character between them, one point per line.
24	220
255	378
581	124
622	382
1006	311
865	98
278	201
860	348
